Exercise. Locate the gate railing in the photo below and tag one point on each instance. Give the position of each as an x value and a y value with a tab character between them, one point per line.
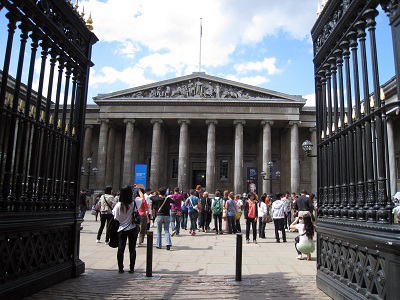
352	137
41	134
357	241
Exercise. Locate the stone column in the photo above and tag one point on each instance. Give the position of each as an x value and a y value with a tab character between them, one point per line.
128	157
294	157
392	160
238	167
314	185
87	147
266	153
183	160
110	157
210	172
155	154
102	155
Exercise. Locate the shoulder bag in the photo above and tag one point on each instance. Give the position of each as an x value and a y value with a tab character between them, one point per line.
135	214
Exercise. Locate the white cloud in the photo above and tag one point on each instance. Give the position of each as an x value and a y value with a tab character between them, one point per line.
128	49
169	30
268	65
132	76
310	100
252	80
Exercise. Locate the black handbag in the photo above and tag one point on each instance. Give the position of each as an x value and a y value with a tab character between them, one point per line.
113	233
135	214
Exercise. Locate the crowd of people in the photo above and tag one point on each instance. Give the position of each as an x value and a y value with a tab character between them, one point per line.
195	211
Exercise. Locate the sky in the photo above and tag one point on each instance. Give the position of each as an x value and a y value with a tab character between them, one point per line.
265	43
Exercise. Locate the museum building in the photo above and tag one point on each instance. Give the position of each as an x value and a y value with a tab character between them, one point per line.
200	129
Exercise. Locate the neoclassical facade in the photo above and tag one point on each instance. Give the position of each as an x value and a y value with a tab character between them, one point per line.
200	129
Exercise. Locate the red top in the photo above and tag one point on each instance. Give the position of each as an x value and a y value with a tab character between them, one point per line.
252	209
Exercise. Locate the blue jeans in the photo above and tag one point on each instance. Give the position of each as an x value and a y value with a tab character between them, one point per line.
184	219
163	220
175	222
193	220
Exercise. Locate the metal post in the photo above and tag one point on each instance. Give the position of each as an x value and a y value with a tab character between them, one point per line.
149	256
239	245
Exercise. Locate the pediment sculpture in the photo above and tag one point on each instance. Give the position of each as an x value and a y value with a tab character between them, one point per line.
197	88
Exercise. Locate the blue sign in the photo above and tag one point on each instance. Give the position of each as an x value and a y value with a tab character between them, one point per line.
140	175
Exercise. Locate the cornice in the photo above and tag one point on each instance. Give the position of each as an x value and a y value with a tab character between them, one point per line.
200	102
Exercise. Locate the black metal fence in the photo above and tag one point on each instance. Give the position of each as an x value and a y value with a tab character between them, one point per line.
41	129
358	246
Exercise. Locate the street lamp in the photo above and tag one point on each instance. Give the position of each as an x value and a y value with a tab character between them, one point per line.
270	164
89	171
307	147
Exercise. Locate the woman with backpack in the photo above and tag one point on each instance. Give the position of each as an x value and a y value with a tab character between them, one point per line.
123	212
216	206
185	213
106	207
251	215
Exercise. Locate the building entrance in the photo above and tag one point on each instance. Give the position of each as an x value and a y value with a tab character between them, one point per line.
198	177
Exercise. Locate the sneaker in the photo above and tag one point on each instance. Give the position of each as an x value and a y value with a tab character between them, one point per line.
98	241
255	242
168	247
173	233
107	243
284	241
299	257
121	271
278	241
248	241
131	271
286	230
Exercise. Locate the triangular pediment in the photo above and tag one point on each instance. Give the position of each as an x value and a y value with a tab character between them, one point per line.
198	86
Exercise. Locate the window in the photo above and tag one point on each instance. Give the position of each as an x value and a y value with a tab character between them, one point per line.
223	169
174	168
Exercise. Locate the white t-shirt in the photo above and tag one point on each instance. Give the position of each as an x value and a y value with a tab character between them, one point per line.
300	228
124	216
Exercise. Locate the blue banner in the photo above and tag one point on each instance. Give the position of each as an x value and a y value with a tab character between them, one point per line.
140	175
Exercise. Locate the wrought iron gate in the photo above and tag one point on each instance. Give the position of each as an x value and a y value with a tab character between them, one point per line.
40	142
358	245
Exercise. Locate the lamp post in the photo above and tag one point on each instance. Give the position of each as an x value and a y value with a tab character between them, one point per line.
307	147
89	171
270	178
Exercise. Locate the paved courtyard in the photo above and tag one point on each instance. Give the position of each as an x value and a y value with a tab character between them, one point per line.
200	267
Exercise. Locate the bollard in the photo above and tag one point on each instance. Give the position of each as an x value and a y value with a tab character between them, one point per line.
149	257
239	245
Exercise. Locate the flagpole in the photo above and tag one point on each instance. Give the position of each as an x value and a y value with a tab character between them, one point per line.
201	33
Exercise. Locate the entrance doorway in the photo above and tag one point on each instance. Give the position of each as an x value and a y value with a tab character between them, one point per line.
199	177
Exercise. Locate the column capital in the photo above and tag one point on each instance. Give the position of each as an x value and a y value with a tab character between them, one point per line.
129	121
235	122
153	121
291	123
183	121
215	122
265	122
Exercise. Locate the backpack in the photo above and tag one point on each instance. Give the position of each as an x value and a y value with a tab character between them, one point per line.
217	206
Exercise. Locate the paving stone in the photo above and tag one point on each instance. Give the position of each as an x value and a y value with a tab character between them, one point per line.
200	267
